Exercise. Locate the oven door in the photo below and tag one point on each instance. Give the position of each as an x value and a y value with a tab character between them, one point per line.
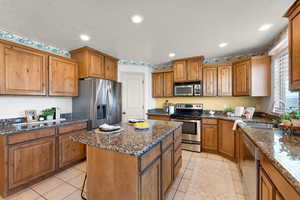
191	130
183	90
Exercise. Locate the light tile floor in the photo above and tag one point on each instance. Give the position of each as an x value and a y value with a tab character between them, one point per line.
203	177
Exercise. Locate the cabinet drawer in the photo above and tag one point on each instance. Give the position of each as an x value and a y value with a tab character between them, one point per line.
148	157
159	117
167	142
209	121
177	154
71	128
30	135
177	168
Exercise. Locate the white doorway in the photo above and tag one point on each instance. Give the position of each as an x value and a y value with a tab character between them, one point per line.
133	94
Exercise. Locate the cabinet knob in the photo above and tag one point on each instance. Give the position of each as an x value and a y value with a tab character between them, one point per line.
124	113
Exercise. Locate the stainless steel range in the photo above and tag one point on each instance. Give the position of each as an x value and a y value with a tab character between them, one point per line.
190	115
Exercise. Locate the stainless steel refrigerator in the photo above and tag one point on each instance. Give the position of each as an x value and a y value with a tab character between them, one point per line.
99	100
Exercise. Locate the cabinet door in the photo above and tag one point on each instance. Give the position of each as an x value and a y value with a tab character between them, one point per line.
63	77
168	84
111	69
266	188
242	78
226	139
194	69
225	80
69	151
157	84
294	49
96	65
210	82
30	160
150	182
167	169
23	72
210	137
180	71
278	196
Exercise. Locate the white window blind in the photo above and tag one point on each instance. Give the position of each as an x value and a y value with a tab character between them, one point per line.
284	100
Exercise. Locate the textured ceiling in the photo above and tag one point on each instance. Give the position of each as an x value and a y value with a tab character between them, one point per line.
188	28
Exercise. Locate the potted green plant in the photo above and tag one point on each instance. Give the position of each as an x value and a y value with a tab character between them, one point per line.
229	111
285	119
295	117
48	113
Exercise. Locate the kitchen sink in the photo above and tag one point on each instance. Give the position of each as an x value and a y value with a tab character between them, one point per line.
260	125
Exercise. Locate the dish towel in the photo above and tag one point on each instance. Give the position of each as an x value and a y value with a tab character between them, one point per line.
235	124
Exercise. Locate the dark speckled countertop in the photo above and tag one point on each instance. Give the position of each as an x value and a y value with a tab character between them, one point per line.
130	141
281	149
6	129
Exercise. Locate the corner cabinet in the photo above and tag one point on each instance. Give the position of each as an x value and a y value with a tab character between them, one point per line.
293	14
162	84
63	77
252	77
22	71
95	64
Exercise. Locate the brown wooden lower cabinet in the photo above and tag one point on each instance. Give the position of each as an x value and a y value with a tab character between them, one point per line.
273	185
28	157
210	137
226	139
125	176
167	169
150	182
69	151
30	160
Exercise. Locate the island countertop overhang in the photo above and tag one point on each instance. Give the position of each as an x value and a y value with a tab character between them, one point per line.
130	141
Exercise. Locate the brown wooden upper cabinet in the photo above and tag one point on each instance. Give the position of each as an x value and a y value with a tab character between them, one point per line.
210	81
157	84
252	77
95	64
180	71
63	77
189	69
162	84
225	80
111	68
293	14
194	69
22	71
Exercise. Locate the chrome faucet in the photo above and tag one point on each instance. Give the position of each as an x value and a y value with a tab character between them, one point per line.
281	107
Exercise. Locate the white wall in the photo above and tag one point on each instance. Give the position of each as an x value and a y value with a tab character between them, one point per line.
15	106
149	101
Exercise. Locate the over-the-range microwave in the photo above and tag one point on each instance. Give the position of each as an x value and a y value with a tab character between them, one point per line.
188	89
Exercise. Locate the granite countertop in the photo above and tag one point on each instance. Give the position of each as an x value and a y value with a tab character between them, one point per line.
225	117
130	141
11	129
281	149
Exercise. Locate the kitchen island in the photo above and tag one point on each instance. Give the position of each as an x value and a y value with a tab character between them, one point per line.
133	164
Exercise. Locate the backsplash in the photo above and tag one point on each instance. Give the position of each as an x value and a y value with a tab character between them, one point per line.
15	106
215	103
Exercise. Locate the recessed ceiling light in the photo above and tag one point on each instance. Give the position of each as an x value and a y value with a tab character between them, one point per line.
265	27
223	44
137	19
85	37
172	55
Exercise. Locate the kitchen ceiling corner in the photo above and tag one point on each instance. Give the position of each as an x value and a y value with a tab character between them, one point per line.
188	28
